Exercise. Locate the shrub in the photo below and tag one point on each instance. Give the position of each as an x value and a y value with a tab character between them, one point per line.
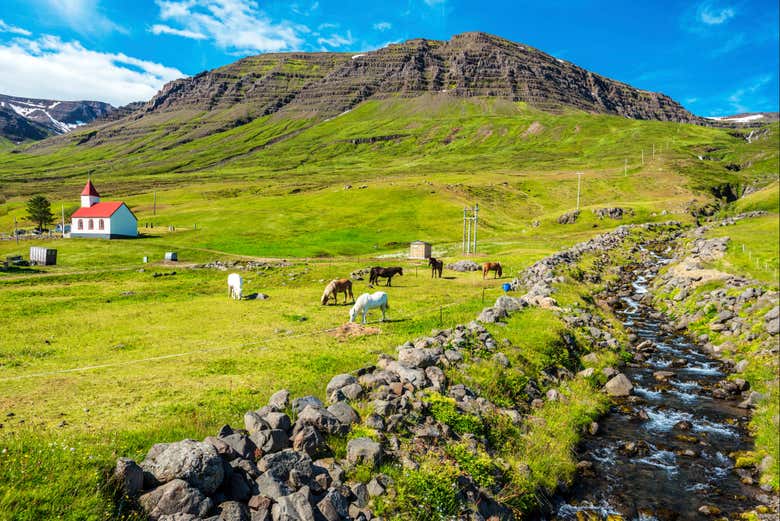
444	409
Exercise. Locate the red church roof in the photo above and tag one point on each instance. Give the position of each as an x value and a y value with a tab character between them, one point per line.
89	189
106	209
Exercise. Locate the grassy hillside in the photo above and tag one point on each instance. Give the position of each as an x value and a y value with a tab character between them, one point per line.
99	357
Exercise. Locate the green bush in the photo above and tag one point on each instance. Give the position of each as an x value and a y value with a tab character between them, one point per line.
443	408
477	463
427	494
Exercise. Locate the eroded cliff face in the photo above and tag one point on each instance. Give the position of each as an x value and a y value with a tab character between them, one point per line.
471	64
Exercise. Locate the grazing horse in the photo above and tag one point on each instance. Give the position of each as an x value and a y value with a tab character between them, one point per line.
368	301
335	287
436	265
234	286
378	271
491	266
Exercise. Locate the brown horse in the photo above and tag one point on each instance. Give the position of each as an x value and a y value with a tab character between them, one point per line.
378	271
436	266
491	266
335	287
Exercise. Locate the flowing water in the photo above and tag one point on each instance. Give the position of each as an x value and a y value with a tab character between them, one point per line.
663	453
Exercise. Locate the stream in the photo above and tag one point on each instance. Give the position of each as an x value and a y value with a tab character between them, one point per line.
662	453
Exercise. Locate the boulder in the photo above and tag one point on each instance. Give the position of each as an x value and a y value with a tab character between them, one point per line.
407	374
269	486
334	506
339	381
492	315
619	385
299	404
320	419
280	400
233	511
271	441
418	358
278	420
344	413
241	445
310	441
569	217
195	462
175	497
260	508
281	463
254	422
294	507
773	326
129	476
364	450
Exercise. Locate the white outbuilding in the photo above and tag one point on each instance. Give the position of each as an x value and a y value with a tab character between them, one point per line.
102	220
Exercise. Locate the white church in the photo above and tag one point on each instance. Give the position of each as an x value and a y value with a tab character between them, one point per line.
106	220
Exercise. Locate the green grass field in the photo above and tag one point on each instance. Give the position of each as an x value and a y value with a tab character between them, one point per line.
100	358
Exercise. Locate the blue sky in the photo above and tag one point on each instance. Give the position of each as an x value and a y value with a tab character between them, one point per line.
714	57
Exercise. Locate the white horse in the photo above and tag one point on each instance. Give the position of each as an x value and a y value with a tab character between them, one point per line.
234	286
368	301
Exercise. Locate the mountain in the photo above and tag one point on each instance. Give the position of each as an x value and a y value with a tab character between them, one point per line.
17	128
471	64
48	116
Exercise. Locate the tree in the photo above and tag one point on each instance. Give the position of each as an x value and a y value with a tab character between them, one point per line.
39	211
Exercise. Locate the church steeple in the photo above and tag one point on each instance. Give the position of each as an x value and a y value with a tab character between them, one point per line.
89	195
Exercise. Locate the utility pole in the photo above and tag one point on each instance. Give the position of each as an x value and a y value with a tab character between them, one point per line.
464	229
476	212
579	186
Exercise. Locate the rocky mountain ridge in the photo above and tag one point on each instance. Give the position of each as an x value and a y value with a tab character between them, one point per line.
28	118
470	64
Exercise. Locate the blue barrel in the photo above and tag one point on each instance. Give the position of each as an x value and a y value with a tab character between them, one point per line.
506	286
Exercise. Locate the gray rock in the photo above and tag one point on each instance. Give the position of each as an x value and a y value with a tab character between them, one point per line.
344	413
376	422
299	404
236	486
280	400
281	463
752	400
407	374
492	315
510	304
320	419
260	508
254	422
360	491
773	326
271	441
294	507
223	449
772	314
418	358
241	445
352	391
278	420
364	450
310	441
501	359
269	486
175	497
453	356
339	381
233	511
334	506
129	476
375	488
586	373
195	462
436	377
619	385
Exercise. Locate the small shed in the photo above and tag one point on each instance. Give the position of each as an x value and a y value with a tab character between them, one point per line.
43	256
420	250
171	256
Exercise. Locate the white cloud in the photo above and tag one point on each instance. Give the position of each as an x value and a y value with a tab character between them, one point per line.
434	2
234	25
5	28
751	91
383	26
714	15
184	33
49	68
336	40
84	16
